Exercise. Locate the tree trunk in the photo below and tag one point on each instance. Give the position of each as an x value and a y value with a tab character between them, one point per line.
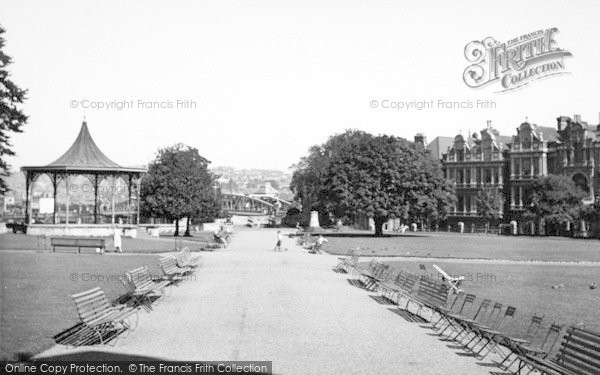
379	221
176	234
187	228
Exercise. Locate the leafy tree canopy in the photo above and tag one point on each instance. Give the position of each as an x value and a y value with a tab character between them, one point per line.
12	118
178	184
555	199
489	204
382	177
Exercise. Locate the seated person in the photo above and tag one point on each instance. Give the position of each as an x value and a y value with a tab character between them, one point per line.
316	247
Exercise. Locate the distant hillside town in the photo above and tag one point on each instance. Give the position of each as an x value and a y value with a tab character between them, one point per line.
253	181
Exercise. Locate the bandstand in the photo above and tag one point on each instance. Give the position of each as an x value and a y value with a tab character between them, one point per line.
85	159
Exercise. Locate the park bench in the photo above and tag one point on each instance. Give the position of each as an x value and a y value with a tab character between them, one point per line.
171	270
431	294
77	242
143	285
183	262
351	260
17	227
195	261
97	314
579	353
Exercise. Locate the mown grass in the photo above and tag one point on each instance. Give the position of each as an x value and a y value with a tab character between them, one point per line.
130	245
35	301
450	245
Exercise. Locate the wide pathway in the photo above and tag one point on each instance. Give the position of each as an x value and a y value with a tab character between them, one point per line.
250	303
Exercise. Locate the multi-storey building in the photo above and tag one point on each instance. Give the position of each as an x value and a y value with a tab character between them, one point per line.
475	163
527	156
510	165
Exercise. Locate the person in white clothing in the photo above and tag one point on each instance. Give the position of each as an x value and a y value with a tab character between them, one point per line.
279	239
117	239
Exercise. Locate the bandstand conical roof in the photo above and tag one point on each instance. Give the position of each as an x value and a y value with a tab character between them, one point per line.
85	155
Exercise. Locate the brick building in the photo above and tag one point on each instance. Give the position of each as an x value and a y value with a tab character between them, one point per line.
509	164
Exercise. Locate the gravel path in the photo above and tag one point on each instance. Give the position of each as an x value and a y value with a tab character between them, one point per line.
250	303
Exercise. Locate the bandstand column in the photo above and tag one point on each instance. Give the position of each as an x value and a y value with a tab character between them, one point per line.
54	186
129	199
112	197
138	193
27	204
95	199
67	191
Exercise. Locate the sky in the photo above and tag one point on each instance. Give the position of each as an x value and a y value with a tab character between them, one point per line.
259	82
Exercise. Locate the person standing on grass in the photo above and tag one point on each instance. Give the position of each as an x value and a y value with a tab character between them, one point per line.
117	239
279	239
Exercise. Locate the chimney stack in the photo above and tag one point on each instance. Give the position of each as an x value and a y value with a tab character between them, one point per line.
577	118
420	141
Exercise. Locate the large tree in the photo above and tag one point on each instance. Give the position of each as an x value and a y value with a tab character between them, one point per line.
489	203
556	200
12	118
381	177
178	184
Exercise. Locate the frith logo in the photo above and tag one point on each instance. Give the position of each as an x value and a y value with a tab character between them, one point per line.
515	63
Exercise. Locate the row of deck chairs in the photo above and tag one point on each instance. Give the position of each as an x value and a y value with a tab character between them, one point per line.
486	329
102	321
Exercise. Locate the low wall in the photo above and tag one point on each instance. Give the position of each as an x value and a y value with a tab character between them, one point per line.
79	230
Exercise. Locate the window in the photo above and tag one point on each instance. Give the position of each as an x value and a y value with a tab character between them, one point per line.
487	175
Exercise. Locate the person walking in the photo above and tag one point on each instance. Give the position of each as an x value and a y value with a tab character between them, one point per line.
279	239
117	239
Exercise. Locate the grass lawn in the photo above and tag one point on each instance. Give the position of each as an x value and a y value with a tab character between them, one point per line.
450	245
130	245
35	301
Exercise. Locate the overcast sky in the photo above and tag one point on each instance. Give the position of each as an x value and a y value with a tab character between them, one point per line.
271	78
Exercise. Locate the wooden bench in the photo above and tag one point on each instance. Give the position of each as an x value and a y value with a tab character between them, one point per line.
171	270
143	285
187	256
97	314
77	242
182	261
579	353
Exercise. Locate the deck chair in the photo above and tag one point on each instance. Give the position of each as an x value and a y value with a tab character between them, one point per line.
513	343
143	284
542	350
492	336
169	267
102	318
461	324
351	260
193	261
467	299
